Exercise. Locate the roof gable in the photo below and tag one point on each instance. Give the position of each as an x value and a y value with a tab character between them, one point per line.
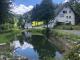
60	8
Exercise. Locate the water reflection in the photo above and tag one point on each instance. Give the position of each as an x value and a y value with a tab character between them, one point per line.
39	48
45	49
58	56
25	50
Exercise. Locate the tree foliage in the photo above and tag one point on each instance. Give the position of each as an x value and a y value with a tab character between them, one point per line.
27	16
35	13
44	11
76	7
4	10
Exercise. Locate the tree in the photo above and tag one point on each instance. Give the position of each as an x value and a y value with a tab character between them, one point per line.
72	1
43	12
27	16
4	10
76	7
35	16
46	12
21	22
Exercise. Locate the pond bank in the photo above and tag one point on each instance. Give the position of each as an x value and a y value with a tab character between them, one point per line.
62	41
60	44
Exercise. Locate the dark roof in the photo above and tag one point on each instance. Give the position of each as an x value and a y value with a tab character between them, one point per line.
61	6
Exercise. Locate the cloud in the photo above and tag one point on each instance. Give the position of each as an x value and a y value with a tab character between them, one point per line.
66	1
21	9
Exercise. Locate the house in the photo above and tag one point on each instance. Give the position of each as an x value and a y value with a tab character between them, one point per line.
65	14
27	25
37	23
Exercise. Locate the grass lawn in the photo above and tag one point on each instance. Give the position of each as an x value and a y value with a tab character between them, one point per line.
67	27
9	36
69	36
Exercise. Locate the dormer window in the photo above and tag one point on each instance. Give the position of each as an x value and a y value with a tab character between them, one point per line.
64	12
69	16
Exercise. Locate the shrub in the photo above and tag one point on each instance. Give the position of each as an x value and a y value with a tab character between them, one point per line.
74	53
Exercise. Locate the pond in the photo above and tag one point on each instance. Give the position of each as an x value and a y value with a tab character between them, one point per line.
35	47
25	50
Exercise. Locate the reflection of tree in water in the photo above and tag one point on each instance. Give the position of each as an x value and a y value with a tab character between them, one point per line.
44	48
25	36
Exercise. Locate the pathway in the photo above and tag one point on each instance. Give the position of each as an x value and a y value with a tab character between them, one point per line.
76	32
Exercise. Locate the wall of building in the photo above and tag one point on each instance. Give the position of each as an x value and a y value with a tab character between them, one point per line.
66	15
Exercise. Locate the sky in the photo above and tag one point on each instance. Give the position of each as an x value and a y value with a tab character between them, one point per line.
23	6
33	2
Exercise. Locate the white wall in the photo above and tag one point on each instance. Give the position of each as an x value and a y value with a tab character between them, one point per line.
64	18
28	25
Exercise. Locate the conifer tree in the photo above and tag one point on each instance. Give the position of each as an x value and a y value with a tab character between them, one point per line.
4	10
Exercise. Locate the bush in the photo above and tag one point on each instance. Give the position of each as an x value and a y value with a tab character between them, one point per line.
7	27
74	53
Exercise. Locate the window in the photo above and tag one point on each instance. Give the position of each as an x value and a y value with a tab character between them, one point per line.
69	16
67	21
61	15
69	11
64	12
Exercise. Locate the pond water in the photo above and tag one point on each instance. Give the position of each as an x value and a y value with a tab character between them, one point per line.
36	48
58	56
25	50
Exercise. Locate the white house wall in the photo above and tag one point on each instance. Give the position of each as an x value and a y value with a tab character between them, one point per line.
64	19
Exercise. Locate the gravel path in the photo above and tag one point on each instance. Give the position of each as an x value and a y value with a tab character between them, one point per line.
76	32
